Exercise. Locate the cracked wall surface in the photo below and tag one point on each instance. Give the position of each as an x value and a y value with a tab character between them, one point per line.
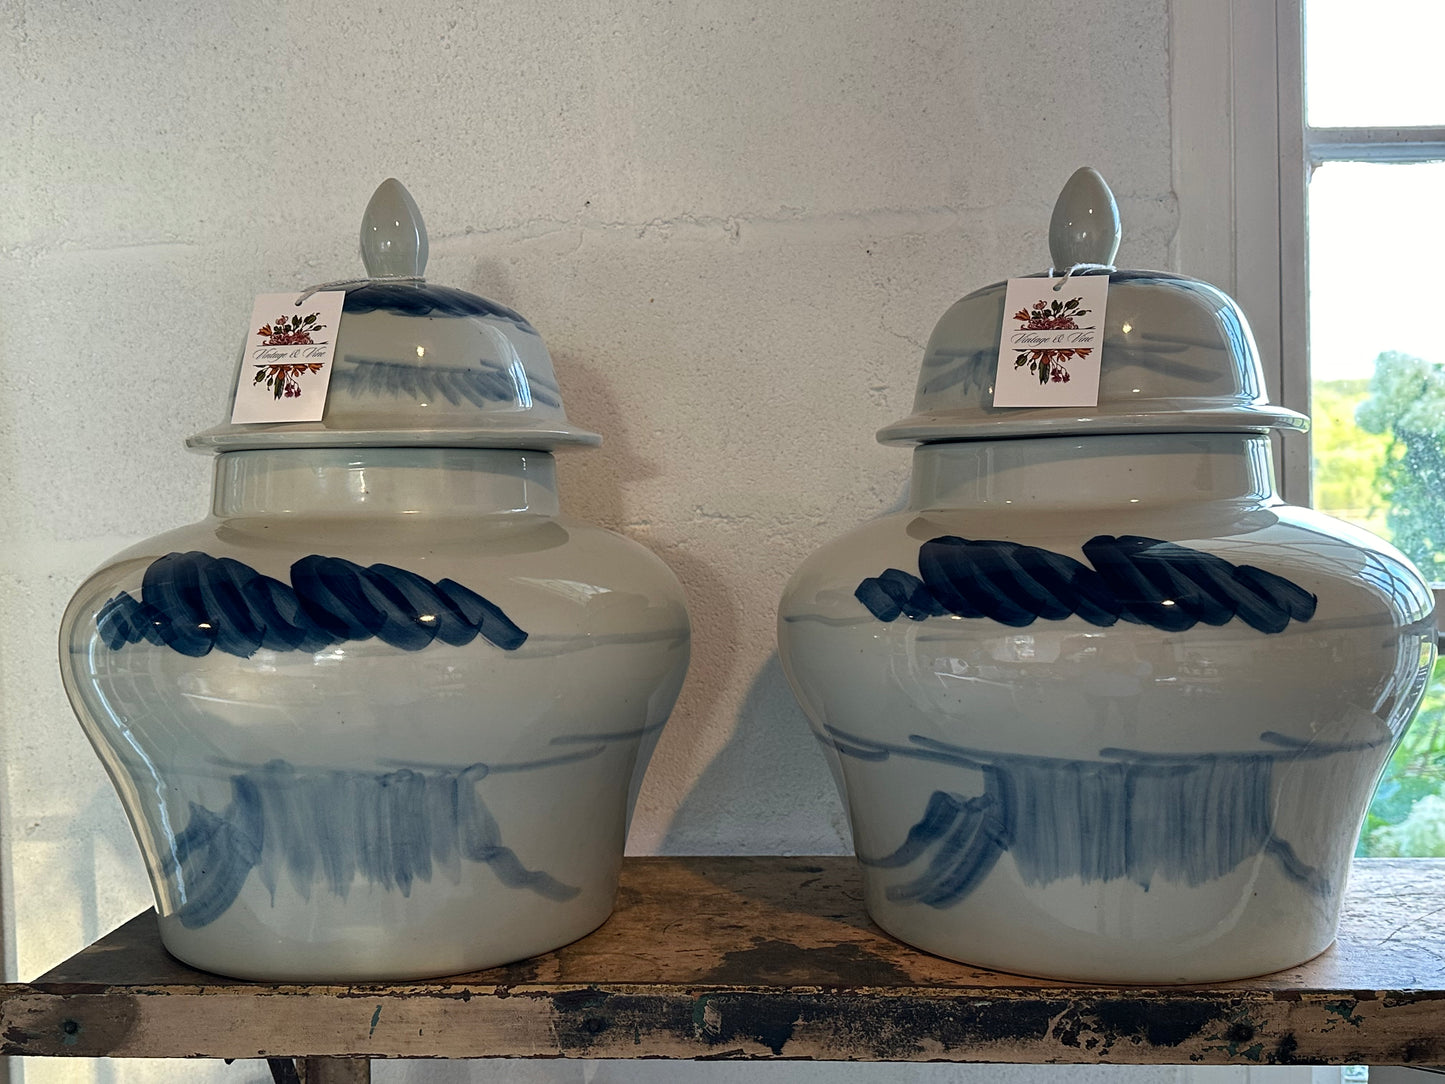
733	223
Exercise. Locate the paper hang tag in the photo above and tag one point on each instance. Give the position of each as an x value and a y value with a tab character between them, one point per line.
1053	332
287	366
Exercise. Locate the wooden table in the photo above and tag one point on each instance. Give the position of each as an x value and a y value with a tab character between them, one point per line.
763	958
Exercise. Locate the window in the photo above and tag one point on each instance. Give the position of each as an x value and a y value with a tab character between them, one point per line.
1376	172
1374	165
1261	197
1302	222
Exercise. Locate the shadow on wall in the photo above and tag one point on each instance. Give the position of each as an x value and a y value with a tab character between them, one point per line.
588	478
95	835
590	491
768	791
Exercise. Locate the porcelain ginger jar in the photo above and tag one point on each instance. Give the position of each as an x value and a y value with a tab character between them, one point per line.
382	713
1101	706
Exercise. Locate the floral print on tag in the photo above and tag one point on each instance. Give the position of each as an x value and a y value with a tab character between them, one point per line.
1049	364
284	378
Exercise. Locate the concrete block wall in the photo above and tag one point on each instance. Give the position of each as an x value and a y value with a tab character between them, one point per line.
734	223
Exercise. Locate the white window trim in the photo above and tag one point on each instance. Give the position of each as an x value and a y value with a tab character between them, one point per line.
1239	177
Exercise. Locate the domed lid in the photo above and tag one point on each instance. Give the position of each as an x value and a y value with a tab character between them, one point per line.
1177	354
418	365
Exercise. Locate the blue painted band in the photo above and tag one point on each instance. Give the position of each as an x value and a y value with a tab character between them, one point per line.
340	827
1185	818
1141	580
482	383
427	300
193	603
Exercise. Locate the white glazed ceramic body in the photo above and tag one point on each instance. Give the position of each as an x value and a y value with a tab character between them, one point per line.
354	769
1144	798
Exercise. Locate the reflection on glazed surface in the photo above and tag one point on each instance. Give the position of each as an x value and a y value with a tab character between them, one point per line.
325	752
329	829
1050	769
486	382
1362	650
193	602
1142	580
459	357
1190	321
1138	816
1181	358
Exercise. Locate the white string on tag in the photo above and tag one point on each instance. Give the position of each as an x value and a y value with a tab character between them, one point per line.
346	284
1078	267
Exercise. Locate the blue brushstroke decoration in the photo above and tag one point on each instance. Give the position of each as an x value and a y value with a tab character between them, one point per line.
194	603
486	382
388	829
427	300
965	369
1146	581
1186	818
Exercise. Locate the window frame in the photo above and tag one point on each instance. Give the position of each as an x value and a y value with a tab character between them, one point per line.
1239	182
1243	155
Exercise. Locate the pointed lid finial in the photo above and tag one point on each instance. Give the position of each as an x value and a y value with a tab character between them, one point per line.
1085	226
393	235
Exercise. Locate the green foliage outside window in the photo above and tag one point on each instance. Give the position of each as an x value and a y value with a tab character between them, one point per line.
1347	460
1407	815
1379	449
1406	405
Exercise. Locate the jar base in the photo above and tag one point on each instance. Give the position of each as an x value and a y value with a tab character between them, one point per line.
388	957
1065	962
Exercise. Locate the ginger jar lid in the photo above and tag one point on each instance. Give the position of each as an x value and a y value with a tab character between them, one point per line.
416	364
1177	354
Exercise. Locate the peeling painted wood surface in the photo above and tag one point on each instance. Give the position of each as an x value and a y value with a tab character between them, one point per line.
768	958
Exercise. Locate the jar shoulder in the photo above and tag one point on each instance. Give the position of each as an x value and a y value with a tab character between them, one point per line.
280	541
1307	548
550	566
